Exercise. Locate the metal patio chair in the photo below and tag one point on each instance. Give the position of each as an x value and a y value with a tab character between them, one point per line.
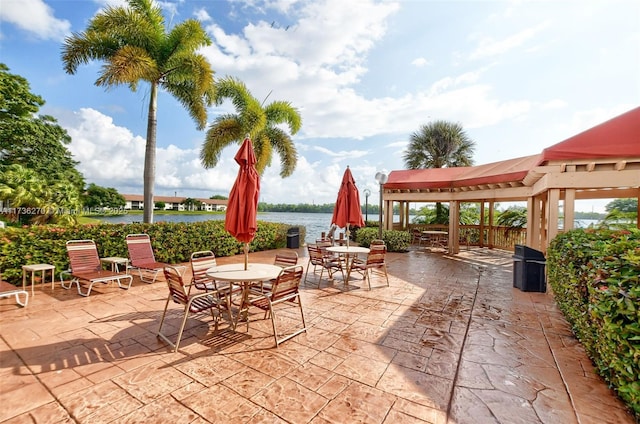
286	289
192	303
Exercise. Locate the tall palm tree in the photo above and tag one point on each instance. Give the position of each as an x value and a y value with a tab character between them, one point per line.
439	144
260	122
135	46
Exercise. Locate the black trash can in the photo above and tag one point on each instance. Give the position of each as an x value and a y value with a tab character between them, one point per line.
293	238
528	269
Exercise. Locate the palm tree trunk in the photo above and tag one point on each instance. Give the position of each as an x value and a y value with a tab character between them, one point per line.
150	155
439	213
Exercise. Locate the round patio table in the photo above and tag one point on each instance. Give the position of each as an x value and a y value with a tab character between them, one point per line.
436	238
349	252
235	273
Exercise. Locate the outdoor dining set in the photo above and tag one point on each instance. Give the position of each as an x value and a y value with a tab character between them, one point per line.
225	291
228	291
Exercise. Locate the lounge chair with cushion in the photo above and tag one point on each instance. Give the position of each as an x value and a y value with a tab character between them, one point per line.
85	265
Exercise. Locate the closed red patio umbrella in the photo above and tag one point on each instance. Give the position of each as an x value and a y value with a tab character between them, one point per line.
348	210
242	209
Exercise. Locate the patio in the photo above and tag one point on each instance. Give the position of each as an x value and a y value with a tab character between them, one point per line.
450	341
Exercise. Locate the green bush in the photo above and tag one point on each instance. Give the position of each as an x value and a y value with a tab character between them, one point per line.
172	242
396	241
595	278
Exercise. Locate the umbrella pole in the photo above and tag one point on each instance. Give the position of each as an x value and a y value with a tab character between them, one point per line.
246	256
348	235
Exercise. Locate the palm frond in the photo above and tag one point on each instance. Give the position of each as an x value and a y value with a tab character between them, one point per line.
186	37
81	48
151	12
234	90
263	150
192	83
286	149
281	112
224	131
259	122
252	117
437	145
128	65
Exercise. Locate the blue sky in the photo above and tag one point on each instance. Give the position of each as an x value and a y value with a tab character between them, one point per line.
518	75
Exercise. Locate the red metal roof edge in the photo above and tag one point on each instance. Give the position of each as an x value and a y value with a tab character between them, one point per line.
491	173
623	131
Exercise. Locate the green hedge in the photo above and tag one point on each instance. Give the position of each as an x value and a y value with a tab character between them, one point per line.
396	241
172	242
595	279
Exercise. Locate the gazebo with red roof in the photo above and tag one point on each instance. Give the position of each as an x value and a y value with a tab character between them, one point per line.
600	163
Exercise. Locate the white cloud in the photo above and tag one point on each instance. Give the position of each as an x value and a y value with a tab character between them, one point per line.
342	155
107	153
310	65
554	104
36	17
111	156
488	46
420	62
398	144
322	80
201	15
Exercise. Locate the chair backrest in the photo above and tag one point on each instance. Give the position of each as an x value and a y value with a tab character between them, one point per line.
316	254
286	259
377	253
200	262
140	250
176	285
376	242
332	231
324	243
83	256
287	283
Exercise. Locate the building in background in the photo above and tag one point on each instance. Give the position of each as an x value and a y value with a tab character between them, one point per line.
172	203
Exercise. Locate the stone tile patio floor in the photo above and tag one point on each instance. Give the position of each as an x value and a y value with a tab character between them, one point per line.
450	341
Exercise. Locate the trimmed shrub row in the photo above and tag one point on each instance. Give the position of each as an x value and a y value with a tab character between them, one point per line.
172	242
595	279
396	241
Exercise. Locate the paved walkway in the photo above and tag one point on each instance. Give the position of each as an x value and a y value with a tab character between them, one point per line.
450	341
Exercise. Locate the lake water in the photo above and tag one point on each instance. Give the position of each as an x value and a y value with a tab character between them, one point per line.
315	223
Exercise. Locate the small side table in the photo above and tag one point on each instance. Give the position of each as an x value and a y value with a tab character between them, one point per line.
37	268
115	261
